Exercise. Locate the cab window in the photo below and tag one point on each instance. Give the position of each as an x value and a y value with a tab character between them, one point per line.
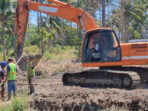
101	46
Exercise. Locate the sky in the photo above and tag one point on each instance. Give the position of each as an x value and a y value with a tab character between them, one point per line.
33	14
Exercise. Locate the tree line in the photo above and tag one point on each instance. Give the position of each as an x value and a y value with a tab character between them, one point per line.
129	18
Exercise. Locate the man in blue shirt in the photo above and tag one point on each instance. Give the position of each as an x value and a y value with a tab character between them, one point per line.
2	77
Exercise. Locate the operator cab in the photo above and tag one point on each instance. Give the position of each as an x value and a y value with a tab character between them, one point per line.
101	46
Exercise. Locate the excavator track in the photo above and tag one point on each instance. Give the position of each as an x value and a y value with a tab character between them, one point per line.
140	70
103	78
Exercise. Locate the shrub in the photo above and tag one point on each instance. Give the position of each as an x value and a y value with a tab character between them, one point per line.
47	55
19	104
32	50
55	50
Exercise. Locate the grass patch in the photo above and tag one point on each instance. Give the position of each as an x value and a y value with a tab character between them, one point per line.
57	54
54	54
33	50
6	108
17	104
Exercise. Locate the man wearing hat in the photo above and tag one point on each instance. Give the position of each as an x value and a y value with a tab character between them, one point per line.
11	77
2	76
31	73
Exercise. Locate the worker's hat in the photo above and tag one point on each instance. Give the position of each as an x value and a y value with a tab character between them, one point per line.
10	59
3	64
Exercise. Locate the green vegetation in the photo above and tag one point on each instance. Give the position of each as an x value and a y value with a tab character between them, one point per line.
49	35
54	54
17	104
57	54
6	108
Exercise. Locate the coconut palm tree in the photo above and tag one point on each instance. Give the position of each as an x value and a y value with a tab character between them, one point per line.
130	15
5	13
129	12
103	5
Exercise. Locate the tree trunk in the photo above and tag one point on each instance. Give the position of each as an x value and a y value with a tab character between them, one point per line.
62	34
14	42
125	29
141	32
19	49
42	41
48	29
103	13
122	20
38	20
71	38
42	44
93	10
49	43
14	37
119	35
77	40
4	41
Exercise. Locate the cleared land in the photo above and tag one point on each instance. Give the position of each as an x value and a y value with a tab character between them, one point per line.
51	95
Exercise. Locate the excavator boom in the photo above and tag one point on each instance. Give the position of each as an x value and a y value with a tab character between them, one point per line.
59	9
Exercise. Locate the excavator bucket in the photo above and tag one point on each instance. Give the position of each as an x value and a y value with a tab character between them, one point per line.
23	62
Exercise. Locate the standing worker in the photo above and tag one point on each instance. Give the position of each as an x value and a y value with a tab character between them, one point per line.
31	73
2	76
11	77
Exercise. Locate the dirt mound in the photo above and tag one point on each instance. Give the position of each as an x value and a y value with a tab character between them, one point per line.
48	68
81	100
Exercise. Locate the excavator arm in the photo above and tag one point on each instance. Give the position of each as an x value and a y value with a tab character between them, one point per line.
59	9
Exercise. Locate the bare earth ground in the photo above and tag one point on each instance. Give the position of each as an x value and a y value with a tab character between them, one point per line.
51	95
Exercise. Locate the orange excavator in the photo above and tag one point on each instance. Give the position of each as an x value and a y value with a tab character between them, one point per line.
100	47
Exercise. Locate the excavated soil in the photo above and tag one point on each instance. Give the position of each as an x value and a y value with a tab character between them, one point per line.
51	95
